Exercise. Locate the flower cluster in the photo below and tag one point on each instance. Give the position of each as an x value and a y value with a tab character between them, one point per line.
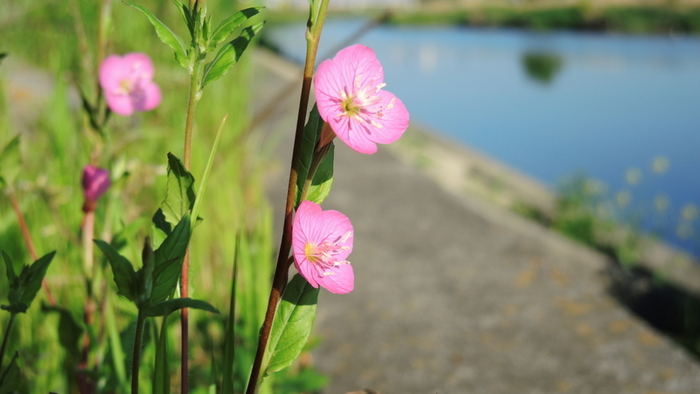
128	83
351	101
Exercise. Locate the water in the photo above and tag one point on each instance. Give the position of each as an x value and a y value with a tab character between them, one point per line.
604	105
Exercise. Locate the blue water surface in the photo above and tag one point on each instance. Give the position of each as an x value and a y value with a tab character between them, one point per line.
616	103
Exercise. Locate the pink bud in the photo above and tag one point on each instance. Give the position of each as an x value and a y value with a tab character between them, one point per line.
95	184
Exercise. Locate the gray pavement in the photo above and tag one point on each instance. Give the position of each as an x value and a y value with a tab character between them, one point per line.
455	295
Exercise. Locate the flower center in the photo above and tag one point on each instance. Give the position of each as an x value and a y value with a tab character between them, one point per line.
324	255
350	107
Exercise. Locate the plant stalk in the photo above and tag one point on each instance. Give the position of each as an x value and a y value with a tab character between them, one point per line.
279	281
195	93
6	336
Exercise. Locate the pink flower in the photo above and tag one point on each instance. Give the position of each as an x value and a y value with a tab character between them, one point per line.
350	99
95	184
322	241
127	83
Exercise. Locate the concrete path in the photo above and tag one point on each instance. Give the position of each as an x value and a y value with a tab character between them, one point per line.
454	295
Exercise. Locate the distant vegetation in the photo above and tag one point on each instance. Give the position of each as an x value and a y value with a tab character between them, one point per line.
628	19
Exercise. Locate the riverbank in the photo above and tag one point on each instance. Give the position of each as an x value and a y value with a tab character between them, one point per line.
632	19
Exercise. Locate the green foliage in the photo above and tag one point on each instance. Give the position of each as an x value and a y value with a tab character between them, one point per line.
69	330
124	275
161	372
10	378
622	19
322	171
229	25
23	287
229	55
164	308
180	196
292	325
167	36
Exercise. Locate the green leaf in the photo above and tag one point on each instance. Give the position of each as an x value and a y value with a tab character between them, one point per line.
229	54
186	16
9	268
166	36
293	323
229	25
161	374
10	380
180	195
312	133
168	260
30	280
323	179
123	270
165	308
3	55
161	228
69	330
10	161
207	171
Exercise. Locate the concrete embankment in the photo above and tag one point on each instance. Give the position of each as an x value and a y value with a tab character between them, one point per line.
455	294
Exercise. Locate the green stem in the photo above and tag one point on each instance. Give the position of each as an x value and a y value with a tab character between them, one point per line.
4	339
194	96
136	360
279	282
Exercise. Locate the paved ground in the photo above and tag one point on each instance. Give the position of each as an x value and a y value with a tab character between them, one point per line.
454	295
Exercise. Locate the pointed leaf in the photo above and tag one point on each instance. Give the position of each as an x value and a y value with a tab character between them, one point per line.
312	133
186	15
293	323
166	36
229	25
168	260
31	277
69	330
161	228
123	270
323	179
229	54
10	378
9	268
165	308
180	195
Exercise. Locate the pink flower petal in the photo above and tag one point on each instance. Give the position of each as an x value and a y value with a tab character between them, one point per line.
350	99
120	104
321	243
127	83
341	282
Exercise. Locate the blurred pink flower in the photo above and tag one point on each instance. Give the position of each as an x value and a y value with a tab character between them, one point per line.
350	99
95	183
127	83
322	241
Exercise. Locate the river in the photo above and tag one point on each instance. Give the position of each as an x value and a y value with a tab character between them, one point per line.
621	109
